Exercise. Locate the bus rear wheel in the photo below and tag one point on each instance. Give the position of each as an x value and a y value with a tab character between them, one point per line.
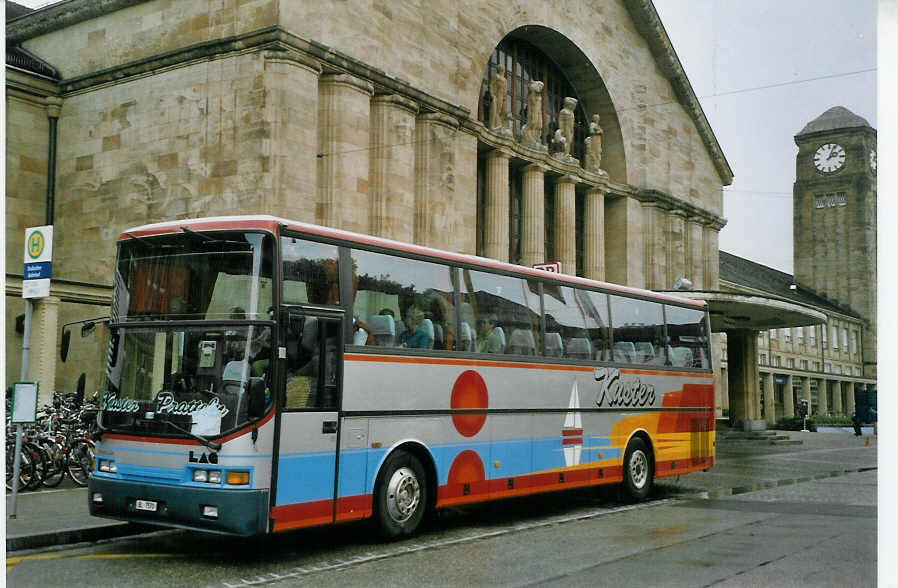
638	470
400	496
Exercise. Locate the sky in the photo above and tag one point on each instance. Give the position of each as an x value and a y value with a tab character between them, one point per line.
762	70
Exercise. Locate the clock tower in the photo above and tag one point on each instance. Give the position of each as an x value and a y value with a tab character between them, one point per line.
834	216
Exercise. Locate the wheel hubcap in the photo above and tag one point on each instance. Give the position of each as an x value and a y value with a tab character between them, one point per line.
403	495
639	468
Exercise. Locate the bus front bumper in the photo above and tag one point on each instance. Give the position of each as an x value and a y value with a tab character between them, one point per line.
215	510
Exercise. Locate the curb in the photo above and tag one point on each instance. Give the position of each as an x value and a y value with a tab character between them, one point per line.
69	536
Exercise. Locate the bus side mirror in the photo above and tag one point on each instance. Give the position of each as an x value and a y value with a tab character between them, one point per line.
64	345
256	407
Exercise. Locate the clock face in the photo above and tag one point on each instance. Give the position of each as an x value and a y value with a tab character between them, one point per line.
873	160
829	157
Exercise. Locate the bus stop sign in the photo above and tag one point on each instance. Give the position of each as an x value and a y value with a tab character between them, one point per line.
38	255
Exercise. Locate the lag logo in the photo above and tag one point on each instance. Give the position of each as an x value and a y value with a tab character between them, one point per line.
614	391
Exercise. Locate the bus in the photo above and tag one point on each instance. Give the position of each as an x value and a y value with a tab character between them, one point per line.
266	375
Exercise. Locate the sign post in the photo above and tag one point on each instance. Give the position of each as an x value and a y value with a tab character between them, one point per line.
24	410
549	266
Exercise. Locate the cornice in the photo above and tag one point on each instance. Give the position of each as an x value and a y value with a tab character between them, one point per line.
649	25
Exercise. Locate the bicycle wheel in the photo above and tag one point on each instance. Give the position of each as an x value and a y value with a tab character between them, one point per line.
26	467
39	463
55	468
81	461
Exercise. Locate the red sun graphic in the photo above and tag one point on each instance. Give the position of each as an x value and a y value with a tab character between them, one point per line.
467	467
469	392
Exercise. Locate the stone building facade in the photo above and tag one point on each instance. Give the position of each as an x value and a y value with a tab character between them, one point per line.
371	117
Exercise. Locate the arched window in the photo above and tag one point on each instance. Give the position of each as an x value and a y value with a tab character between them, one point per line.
524	62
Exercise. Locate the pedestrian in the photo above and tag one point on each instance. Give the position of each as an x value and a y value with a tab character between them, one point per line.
856	422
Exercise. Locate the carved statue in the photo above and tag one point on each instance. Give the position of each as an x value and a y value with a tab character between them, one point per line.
498	102
532	132
566	123
594	145
559	143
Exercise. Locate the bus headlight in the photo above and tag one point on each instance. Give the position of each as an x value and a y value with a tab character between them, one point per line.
106	465
215	476
200	475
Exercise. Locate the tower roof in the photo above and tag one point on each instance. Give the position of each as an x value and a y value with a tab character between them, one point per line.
837	117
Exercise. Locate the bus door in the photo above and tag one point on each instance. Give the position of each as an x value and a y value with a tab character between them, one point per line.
312	371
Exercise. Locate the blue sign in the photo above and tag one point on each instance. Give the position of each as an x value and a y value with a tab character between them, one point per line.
37	271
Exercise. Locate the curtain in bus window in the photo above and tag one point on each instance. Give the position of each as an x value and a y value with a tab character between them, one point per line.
310	272
402	302
158	289
638	331
595	310
566	334
505	312
687	336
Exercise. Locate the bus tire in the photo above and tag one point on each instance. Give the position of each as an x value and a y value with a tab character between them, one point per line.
400	496
638	470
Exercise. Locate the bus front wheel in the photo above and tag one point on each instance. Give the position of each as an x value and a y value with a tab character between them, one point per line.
400	496
638	470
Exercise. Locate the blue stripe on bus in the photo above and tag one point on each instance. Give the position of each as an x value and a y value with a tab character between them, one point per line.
302	477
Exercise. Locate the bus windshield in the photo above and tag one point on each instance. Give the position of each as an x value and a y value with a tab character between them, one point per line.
196	276
192	328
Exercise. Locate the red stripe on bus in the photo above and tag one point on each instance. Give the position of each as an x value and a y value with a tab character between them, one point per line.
572	441
572	431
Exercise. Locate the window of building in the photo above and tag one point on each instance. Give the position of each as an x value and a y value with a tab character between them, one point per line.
799	335
853	342
819	201
835	337
402	302
773	333
837	369
827	368
776	361
857	371
842	199
787	334
762	359
524	63
812	336
816	366
831	200
823	330
844	338
803	364
790	363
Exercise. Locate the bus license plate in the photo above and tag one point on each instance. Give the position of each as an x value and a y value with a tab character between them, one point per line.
147	505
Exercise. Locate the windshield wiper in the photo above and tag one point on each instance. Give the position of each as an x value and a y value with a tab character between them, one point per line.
210	444
210	239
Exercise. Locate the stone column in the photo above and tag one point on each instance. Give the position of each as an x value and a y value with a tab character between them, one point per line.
392	188
533	216
676	247
849	399
789	399
435	179
695	263
654	221
837	397
495	210
566	224
711	255
594	234
291	93
44	347
806	393
742	353
769	399
624	241
822	393
344	146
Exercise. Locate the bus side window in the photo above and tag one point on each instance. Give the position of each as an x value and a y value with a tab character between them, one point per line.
312	348
638	331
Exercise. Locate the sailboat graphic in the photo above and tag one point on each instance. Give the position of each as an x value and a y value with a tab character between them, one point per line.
572	433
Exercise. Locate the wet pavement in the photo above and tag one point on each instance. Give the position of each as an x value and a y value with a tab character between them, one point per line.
61	517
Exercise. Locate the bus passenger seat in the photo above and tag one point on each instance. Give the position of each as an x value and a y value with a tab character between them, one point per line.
578	348
383	330
624	352
466	338
521	342
553	345
645	353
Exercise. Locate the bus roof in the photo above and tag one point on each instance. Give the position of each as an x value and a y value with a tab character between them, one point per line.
271	224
